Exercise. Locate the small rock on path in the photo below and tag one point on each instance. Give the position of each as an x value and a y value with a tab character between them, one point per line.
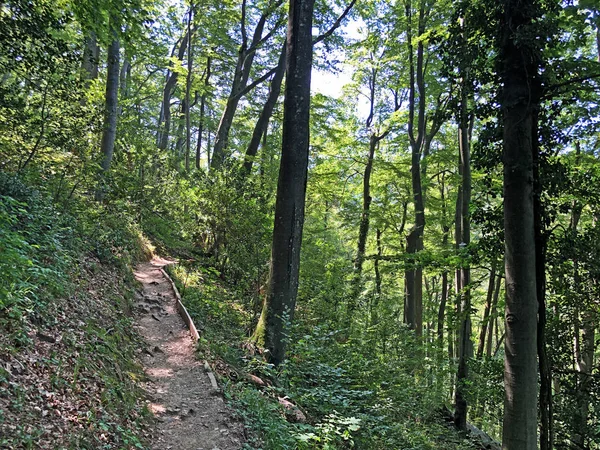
190	414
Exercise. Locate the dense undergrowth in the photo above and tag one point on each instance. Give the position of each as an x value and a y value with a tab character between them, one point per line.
68	371
352	394
69	377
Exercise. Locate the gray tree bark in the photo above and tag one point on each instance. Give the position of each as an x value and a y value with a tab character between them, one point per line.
519	101
493	319
202	115
239	84
585	346
164	123
363	232
262	123
91	57
280	302
109	132
441	316
188	87
487	309
420	141
465	347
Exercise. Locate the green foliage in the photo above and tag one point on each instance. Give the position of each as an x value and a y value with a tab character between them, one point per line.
270	430
363	379
41	244
32	238
362	392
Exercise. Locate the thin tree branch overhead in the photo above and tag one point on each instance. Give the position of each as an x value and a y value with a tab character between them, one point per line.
336	24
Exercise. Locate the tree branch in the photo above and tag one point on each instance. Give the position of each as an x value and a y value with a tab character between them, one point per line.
255	83
268	36
336	24
568	82
243	25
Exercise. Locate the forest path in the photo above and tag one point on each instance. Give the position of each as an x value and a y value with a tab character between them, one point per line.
190	414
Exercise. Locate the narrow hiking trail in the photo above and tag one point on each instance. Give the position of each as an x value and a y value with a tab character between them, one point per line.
190	413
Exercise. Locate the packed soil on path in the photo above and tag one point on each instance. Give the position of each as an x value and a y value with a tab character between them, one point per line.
190	414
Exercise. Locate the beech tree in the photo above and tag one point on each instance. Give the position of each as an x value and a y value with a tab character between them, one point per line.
109	131
519	61
280	302
164	122
239	85
422	126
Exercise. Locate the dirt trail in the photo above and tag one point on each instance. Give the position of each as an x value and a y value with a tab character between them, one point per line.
190	414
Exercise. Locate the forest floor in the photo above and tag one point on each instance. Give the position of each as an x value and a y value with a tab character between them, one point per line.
190	413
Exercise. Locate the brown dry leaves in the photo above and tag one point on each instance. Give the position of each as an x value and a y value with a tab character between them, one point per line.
67	388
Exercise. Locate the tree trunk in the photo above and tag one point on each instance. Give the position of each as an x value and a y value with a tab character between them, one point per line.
202	108
188	87
419	143
364	226
278	309
545	399
91	57
585	365
413	286
376	264
444	297
486	311
465	348
240	80
109	132
584	345
493	319
164	125
519	100
125	77
180	133
262	123
442	310
208	147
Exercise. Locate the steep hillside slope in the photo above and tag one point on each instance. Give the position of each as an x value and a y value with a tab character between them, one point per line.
68	371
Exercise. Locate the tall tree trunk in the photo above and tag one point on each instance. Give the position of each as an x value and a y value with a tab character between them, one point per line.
202	109
188	87
124	82
208	147
376	263
465	349
109	132
493	319
280	302
374	315
91	57
585	365
262	124
420	141
363	233
441	319
180	133
125	77
545	399
164	125
486	311
245	59
519	100
584	343
364	226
